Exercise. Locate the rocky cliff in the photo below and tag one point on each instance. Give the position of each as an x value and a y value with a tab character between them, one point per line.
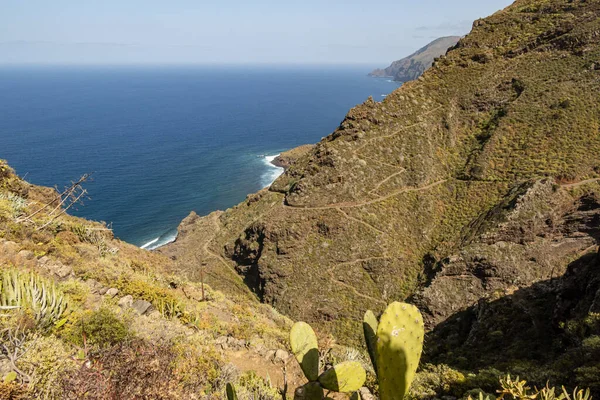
473	191
413	66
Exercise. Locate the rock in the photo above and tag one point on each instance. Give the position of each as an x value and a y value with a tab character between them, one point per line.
141	306
222	341
365	394
95	286
60	270
260	349
26	254
270	355
126	301
112	292
9	248
55	267
236	343
281	356
44	260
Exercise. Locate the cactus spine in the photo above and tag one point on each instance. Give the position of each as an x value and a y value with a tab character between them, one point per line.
345	377
396	347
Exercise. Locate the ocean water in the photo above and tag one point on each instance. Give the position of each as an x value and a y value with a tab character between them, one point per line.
163	141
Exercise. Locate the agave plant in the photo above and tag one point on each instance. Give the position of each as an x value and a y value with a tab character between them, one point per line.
26	290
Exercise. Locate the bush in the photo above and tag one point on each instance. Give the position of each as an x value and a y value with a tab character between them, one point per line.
101	328
46	361
132	370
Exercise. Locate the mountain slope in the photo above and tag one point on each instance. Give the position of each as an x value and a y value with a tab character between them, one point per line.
109	320
413	66
397	187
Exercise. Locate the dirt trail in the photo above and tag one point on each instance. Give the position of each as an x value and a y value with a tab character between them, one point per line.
368	202
397	132
361	222
352	288
580	183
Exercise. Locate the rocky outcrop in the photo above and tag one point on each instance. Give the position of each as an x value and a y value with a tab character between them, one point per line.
413	66
288	158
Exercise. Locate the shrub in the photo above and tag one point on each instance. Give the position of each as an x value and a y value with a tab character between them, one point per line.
101	328
46	361
132	370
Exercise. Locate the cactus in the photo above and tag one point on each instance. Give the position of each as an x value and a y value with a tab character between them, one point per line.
305	348
27	290
398	347
344	377
231	393
310	391
370	331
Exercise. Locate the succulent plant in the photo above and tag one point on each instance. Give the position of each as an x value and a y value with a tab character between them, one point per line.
345	377
27	290
231	393
395	348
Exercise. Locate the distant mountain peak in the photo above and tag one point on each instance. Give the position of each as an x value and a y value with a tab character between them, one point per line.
413	66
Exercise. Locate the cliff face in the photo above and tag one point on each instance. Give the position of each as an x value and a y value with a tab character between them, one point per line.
476	183
413	66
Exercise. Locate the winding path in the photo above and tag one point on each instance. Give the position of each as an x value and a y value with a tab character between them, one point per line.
580	183
368	202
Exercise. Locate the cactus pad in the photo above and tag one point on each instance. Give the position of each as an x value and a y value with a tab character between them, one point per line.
345	377
231	394
399	346
305	348
370	330
310	391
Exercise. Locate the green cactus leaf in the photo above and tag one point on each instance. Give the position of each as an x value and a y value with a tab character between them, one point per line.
310	391
231	393
370	331
10	377
399	346
345	377
305	348
355	396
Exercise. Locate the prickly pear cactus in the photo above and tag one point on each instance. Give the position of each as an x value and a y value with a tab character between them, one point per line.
370	330
231	393
310	391
399	346
345	377
305	348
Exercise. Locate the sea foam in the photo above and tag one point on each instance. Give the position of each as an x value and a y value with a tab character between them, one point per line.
272	173
164	239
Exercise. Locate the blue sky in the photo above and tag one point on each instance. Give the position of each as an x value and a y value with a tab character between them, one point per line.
228	31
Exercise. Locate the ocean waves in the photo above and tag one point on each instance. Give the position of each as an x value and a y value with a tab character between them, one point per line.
164	239
273	172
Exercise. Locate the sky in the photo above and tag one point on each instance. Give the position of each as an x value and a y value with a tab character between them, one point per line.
228	31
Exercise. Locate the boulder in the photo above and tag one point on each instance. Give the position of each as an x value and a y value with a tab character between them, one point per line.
126	301
141	306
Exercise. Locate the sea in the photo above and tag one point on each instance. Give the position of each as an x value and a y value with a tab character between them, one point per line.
162	141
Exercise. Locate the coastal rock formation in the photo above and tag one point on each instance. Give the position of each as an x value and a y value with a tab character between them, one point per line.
288	158
472	184
413	66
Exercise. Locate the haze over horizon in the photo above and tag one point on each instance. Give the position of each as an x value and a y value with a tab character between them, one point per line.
265	32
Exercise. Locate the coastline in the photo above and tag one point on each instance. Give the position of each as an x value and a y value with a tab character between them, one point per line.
281	161
287	158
